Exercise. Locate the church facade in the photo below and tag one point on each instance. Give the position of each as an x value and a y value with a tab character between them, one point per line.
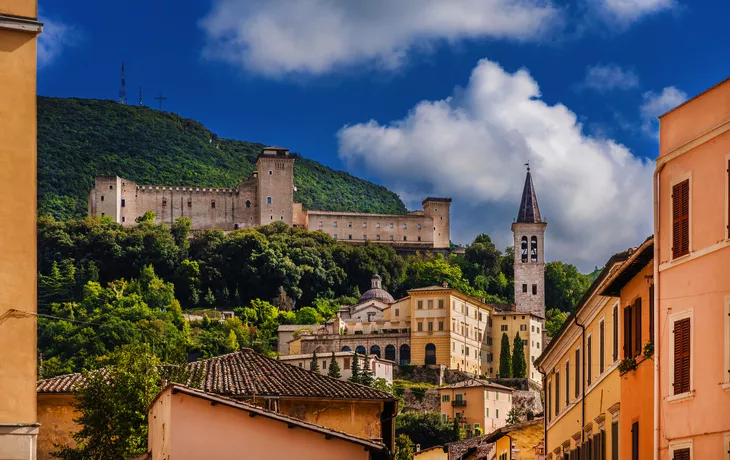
265	197
438	325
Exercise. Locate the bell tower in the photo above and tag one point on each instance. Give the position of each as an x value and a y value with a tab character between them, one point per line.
529	264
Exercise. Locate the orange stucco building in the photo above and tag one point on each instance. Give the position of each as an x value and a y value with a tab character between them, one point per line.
692	284
185	423
19	28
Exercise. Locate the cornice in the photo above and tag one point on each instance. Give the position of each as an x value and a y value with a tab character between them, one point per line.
21	24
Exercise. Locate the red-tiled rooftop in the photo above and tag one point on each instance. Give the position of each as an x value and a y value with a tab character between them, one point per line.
60	384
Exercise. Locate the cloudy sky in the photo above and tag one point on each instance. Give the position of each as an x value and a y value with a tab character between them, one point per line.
427	97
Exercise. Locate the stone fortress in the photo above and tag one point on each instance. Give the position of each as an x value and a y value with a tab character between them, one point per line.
267	196
438	325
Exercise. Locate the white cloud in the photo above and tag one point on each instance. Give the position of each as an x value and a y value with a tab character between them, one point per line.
628	11
471	146
55	37
276	37
610	77
656	104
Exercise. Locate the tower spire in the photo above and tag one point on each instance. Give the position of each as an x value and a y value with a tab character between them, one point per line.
123	89
529	211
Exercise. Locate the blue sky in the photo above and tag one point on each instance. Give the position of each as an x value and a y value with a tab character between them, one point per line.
423	96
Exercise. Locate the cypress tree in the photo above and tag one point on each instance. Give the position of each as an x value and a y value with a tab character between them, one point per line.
366	375
314	366
355	368
519	365
505	359
334	370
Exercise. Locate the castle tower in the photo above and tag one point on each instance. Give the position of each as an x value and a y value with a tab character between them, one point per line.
439	209
275	185
529	265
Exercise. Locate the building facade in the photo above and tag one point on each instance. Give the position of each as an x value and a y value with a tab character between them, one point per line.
528	325
581	376
692	287
481	407
19	28
267	196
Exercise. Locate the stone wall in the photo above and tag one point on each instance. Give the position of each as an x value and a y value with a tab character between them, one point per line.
327	343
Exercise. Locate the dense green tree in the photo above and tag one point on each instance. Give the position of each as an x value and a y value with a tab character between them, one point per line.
505	358
564	286
366	374
554	320
314	365
484	254
519	363
425	428
355	368
404	448
308	315
334	368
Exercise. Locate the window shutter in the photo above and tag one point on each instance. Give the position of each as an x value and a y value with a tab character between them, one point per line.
601	346
651	313
680	217
681	356
627	332
728	198
637	327
635	441
681	454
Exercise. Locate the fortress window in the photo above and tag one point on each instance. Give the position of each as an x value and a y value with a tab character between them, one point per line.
391	237
442	217
334	235
349	224
405	226
124	219
524	288
405	238
212	204
349	237
190	203
435	209
364	225
419	226
321	223
248	203
282	218
533	249
334	224
164	202
419	238
268	200
534	289
102	198
377	225
391	225
364	237
271	217
111	187
377	237
270	172
123	203
102	214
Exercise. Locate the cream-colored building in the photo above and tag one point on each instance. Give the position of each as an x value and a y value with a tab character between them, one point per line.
481	407
529	326
379	368
19	28
582	383
268	196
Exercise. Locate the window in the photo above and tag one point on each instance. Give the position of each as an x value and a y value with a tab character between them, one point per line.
364	225
347	363
445	398
124	219
430	304
503	327
567	383
377	225
397	312
682	348
405	238
334	235
680	219
248	205
441	303
419	238
321	224
391	238
420	304
405	226
111	187
589	357
601	347
377	237
549	400
614	440
632	329
534	289
637	327
164	202
420	327
391	225
557	393
524	249
615	333
430	326
635	441
523	327
419	226
524	288
102	214
441	325
496	412
102	198
123	203
364	237
334	224
651	313
271	172
533	249
577	372
349	237
681	454
268	200
349	224
212	204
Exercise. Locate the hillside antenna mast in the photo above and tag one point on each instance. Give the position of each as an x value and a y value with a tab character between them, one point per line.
160	98
123	89
140	96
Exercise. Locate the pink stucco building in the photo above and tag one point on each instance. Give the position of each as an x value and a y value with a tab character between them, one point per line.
692	279
189	424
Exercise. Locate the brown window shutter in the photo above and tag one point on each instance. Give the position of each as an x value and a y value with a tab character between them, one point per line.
680	219
627	332
637	326
681	454
728	198
681	356
651	313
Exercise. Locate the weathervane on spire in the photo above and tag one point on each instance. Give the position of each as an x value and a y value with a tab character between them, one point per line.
528	165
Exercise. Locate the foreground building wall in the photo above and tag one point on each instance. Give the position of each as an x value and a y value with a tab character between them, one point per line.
56	414
18	31
693	286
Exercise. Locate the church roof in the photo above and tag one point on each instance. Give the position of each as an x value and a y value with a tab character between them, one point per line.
377	294
529	210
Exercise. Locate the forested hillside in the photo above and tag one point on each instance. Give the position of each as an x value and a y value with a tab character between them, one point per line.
81	138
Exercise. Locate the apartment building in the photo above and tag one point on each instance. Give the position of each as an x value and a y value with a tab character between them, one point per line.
481	407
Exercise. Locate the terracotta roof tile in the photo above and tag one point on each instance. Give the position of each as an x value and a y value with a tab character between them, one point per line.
60	384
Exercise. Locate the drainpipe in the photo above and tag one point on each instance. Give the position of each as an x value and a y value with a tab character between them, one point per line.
510	446
544	409
661	162
582	385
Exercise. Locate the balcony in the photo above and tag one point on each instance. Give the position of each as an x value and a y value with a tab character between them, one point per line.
458	403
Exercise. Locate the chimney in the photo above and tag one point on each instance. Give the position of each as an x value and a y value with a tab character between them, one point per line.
445	284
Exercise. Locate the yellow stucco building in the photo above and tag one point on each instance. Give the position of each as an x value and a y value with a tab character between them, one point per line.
581	376
19	28
480	406
517	441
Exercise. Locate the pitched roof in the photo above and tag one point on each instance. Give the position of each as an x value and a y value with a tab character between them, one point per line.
247	373
250	408
495	435
60	384
529	211
294	327
472	383
643	255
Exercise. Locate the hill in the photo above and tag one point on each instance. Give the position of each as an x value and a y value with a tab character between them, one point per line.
82	138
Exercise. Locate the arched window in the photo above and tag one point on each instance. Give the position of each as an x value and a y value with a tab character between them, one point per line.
524	249
360	350
248	203
375	350
430	354
390	352
405	355
346	348
533	249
